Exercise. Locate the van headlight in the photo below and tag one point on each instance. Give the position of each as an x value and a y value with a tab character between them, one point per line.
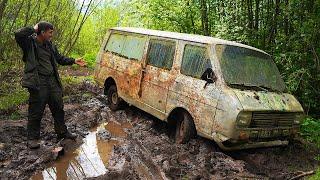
244	119
298	118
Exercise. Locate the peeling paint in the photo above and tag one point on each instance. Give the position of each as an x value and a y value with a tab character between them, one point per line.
152	81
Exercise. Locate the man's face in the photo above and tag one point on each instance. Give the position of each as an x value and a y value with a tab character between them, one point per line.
47	35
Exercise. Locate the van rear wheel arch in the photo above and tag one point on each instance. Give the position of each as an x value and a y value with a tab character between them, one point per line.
108	83
182	125
110	90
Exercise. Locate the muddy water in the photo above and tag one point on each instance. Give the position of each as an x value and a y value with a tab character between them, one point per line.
90	159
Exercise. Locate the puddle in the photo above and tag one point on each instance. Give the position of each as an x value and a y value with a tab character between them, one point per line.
90	159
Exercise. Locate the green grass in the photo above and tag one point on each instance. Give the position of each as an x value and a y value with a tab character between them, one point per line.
316	176
89	58
75	80
13	99
310	130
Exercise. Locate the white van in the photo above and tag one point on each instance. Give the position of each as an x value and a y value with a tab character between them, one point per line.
221	90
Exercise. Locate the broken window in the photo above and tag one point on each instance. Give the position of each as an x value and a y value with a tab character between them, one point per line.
130	47
161	53
195	61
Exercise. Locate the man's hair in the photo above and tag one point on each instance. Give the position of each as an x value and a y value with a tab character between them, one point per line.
44	26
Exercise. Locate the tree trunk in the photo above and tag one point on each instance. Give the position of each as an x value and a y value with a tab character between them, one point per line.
250	14
257	11
274	29
204	18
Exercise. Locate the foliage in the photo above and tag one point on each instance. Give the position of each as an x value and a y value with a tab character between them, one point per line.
93	32
79	30
315	176
14	99
11	93
310	129
288	30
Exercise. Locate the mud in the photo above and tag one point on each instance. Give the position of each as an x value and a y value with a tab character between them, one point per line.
130	144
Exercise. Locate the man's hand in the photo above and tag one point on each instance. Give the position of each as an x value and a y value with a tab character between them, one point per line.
80	62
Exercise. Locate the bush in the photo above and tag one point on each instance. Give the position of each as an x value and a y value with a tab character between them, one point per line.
12	100
90	58
310	130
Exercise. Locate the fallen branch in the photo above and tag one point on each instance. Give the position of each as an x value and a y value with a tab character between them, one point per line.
302	175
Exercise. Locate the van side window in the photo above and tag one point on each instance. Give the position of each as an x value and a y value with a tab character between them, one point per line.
195	61
115	43
134	47
128	46
161	53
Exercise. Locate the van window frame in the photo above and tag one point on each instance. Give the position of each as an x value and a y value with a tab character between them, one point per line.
202	45
127	34
158	38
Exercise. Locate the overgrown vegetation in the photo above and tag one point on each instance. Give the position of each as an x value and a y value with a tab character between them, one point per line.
288	30
310	130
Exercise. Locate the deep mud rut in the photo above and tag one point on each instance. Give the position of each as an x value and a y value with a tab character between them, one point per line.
130	144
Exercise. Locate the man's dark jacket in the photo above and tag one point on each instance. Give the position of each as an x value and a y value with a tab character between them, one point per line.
26	39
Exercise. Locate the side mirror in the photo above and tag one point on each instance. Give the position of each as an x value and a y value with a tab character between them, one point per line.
209	76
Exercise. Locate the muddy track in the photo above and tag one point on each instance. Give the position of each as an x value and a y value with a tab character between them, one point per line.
145	152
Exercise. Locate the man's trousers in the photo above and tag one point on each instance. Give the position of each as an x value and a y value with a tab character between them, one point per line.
49	93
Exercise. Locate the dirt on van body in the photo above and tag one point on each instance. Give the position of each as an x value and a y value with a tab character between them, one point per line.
147	151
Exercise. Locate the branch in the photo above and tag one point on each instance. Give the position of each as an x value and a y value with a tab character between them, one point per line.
302	175
74	27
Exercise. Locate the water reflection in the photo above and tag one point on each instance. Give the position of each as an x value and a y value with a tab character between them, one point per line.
89	160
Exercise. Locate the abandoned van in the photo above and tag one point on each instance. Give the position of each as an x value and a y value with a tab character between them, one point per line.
221	90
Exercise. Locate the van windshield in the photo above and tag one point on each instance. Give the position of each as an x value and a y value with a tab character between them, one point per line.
246	68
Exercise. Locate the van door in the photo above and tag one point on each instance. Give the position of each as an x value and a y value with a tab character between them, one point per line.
190	90
156	73
124	54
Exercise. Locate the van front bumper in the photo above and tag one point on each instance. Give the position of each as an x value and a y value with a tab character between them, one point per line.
248	138
250	145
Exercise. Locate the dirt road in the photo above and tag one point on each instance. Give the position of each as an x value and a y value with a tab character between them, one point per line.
130	144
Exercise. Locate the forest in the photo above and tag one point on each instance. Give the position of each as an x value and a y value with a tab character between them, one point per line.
289	30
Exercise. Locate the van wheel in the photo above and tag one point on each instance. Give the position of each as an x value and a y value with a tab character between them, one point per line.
114	100
185	129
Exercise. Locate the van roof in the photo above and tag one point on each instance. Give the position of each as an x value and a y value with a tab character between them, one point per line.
183	36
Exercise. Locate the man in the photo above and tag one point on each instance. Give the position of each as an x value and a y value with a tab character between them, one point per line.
42	80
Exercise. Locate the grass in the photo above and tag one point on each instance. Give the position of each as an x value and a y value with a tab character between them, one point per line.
11	92
74	80
89	58
316	176
310	130
13	99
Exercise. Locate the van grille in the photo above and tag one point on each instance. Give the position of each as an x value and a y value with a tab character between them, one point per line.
272	119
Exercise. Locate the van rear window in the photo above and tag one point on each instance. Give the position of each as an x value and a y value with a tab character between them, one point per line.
115	43
128	46
161	53
195	61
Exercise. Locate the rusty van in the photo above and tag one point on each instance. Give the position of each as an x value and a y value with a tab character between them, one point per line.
221	90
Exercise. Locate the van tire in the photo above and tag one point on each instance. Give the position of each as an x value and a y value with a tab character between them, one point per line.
185	129
115	102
